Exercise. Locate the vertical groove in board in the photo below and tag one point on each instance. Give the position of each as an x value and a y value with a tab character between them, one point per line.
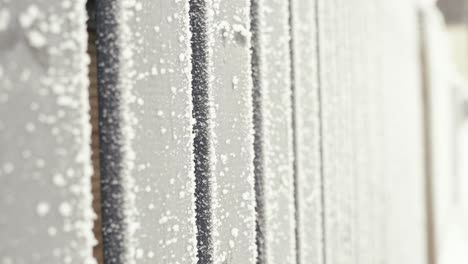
94	113
258	133
273	98
201	130
45	166
292	95
448	233
230	131
110	134
427	136
146	132
306	79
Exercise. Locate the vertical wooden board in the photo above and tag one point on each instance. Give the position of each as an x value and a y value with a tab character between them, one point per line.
367	136
45	161
442	91
231	131
403	147
338	174
360	76
363	27
308	149
362	155
146	122
274	131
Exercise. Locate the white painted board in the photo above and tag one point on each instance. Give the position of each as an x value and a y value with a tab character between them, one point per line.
45	161
276	216
146	132
371	107
227	85
446	97
308	148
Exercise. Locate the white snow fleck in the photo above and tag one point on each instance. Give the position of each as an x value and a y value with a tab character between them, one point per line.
235	80
65	209
42	208
59	180
128	3
231	244
241	29
163	220
139	253
181	57
30	127
235	232
40	163
4	20
36	39
52	231
138	6
8	167
66	4
224	158
26	19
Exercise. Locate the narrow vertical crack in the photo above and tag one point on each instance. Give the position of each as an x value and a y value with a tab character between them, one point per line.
258	134
94	113
427	136
321	132
110	133
294	133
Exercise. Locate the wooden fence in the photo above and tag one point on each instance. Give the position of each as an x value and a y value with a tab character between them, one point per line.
247	131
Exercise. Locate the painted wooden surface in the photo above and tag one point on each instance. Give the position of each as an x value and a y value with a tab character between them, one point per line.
146	132
446	97
223	101
45	170
274	163
403	162
308	145
230	132
371	107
